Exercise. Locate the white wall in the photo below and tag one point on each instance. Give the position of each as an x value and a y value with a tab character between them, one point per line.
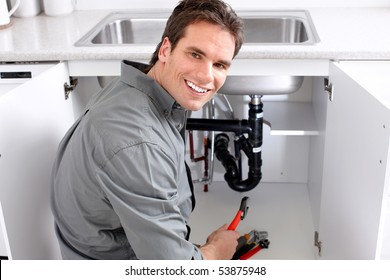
236	4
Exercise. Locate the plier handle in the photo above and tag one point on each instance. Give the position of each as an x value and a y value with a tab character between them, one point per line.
241	213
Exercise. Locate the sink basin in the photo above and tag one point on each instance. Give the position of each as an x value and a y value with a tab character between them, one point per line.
261	85
277	27
275	31
131	31
260	27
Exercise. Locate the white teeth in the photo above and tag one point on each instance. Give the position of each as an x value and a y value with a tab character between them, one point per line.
196	88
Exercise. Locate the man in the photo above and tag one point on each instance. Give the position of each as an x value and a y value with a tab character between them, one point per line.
120	188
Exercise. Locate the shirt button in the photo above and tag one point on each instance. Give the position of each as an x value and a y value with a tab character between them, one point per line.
166	113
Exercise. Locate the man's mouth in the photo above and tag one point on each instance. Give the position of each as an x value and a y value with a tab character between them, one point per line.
196	88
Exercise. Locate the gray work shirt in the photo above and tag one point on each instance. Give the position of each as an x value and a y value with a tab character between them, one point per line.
119	184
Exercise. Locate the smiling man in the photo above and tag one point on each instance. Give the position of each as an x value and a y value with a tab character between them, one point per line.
196	68
120	185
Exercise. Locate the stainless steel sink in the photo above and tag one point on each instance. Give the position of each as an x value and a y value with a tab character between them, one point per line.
275	31
260	27
130	31
261	85
278	27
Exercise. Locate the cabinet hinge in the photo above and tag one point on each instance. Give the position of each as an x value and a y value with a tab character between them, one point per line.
69	88
317	242
328	88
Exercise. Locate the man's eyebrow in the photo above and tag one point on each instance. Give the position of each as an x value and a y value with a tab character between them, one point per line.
225	62
197	50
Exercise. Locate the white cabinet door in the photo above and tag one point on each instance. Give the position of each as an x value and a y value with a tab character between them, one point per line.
33	119
355	162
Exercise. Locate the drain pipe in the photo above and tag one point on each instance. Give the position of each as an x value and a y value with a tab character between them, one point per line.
252	146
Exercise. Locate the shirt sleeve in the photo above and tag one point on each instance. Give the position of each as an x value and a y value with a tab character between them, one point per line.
141	183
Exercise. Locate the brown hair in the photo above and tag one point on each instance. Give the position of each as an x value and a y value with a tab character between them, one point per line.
191	11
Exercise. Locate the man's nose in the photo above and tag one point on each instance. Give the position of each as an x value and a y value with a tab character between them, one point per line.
205	72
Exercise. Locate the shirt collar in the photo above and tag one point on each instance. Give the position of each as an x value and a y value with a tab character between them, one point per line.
133	75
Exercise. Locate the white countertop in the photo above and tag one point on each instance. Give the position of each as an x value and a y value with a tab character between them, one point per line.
345	34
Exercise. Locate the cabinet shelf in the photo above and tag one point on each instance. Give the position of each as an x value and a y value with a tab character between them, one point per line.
290	118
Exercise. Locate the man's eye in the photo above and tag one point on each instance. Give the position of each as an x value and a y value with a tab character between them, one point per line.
220	65
195	55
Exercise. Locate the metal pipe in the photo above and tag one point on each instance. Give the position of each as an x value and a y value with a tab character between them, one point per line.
212	140
206	159
228	105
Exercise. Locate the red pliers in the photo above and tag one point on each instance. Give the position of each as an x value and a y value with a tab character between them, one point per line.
241	213
257	242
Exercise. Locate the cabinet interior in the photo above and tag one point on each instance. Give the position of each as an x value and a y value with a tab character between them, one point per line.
282	204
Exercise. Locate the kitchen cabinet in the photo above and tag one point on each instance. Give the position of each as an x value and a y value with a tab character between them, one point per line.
33	119
354	196
348	174
325	164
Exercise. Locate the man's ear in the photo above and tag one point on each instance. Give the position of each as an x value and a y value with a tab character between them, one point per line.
165	50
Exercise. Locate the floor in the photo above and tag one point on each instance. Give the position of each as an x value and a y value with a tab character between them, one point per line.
282	210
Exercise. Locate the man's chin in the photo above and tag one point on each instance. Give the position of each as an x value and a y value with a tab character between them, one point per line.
195	107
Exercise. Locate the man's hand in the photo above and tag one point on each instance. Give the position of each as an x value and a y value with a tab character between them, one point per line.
221	244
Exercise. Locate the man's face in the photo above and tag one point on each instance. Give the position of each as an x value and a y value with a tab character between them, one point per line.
197	68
